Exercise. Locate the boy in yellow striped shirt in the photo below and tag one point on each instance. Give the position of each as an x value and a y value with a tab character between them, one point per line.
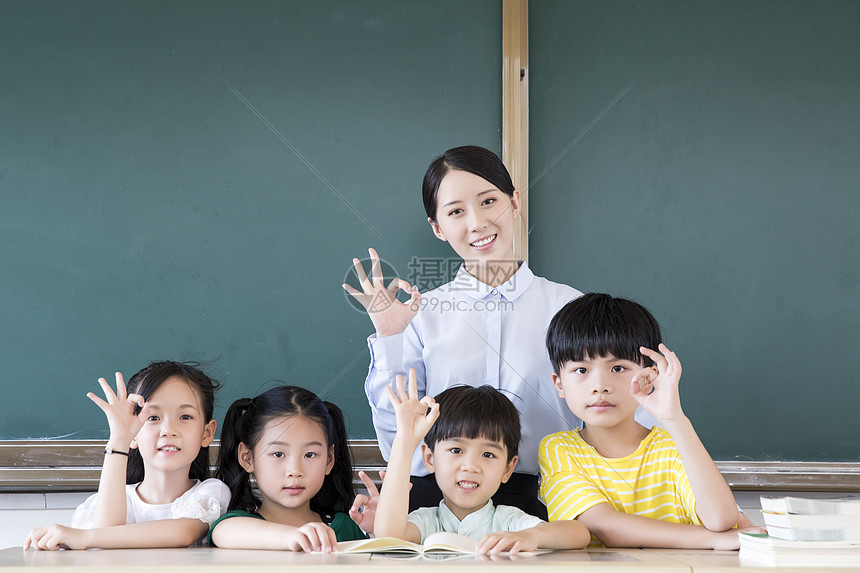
631	486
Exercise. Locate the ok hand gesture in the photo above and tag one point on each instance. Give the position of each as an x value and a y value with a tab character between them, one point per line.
119	409
389	315
414	417
657	390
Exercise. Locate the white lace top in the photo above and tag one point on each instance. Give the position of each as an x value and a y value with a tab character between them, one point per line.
206	501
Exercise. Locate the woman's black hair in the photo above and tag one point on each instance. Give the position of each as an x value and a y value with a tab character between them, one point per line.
472	159
245	421
482	412
146	382
596	325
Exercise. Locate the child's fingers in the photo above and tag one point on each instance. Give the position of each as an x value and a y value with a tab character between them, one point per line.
645	374
359	501
637	391
98	401
495	544
655	356
401	391
320	536
643	379
433	414
306	538
479	548
413	384
485	543
303	542
110	396
43	539
144	412
673	364
120	386
330	543
31	538
54	542
372	490
323	541
392	397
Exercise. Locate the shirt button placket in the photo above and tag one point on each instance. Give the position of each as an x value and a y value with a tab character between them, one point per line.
494	338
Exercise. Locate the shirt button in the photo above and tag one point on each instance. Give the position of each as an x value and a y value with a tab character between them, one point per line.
495	292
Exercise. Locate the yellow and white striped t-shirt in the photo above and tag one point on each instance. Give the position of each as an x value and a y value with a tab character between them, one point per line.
650	482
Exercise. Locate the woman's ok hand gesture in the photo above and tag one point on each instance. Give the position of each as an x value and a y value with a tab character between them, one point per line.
389	315
119	409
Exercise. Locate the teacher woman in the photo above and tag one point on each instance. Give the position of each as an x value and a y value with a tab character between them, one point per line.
487	326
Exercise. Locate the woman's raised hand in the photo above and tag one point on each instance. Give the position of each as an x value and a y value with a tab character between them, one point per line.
119	409
389	315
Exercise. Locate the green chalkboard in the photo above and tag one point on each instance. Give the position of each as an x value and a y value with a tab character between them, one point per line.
703	158
190	180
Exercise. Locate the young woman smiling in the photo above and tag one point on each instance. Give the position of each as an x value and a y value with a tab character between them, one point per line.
487	326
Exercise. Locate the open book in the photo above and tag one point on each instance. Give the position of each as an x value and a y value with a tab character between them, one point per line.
440	543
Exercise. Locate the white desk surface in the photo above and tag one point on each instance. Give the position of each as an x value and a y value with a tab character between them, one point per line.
207	560
727	561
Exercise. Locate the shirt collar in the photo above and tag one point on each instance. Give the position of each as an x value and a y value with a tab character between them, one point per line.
450	521
510	290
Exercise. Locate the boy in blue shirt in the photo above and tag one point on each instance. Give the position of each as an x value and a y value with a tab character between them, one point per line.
470	439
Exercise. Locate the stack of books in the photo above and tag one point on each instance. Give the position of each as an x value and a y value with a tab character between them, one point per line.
806	532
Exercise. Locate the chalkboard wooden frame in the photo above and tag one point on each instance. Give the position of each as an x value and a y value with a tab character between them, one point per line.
59	466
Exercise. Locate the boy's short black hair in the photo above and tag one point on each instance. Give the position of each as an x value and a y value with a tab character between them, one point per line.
482	412
597	325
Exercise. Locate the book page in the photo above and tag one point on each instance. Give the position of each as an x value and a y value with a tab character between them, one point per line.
449	542
379	545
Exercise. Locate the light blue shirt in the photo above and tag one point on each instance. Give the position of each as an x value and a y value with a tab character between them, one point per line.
467	332
476	525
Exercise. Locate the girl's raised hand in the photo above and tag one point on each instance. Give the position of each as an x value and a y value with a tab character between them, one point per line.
119	409
414	417
363	510
389	315
657	391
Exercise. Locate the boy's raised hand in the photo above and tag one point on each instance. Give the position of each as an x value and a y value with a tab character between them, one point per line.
414	417
389	315
119	409
657	391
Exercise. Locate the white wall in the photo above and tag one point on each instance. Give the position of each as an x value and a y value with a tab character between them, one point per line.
19	513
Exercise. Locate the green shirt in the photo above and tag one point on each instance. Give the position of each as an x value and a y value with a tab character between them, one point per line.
344	527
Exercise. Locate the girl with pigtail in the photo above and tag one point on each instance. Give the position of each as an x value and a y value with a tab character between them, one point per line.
296	447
